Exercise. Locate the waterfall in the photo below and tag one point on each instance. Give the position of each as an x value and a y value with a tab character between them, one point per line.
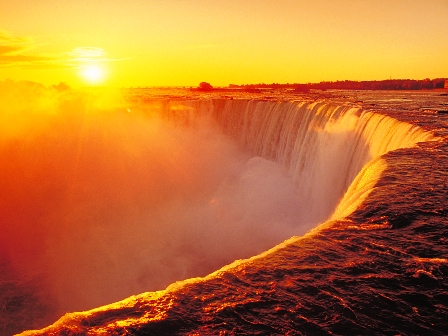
135	199
322	146
179	188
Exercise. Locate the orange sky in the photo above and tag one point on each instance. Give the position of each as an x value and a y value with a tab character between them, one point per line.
184	42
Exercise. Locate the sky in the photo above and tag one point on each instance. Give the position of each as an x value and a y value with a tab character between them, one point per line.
123	43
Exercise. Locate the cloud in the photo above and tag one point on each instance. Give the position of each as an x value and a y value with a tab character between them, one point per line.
87	52
15	52
6	49
11	46
82	55
23	58
7	37
18	52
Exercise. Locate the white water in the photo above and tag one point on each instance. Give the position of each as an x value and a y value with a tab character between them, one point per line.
322	146
107	203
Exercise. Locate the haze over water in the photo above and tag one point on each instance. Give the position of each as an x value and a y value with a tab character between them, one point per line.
108	192
123	210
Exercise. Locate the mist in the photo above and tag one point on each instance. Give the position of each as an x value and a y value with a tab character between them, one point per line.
104	200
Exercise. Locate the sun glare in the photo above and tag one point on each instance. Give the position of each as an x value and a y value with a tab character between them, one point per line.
93	74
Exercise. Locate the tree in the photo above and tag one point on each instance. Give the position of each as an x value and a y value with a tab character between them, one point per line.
204	86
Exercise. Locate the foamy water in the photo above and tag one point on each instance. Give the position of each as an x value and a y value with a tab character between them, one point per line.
131	201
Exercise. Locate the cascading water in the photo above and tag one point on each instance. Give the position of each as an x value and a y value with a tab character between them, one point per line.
322	146
140	190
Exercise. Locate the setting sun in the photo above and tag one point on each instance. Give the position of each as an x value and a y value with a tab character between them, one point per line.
217	167
93	74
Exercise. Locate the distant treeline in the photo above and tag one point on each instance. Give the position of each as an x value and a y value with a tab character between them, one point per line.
389	84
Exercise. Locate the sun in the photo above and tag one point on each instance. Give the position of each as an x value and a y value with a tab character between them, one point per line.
93	74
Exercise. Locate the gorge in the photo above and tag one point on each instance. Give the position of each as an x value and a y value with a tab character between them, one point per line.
253	178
